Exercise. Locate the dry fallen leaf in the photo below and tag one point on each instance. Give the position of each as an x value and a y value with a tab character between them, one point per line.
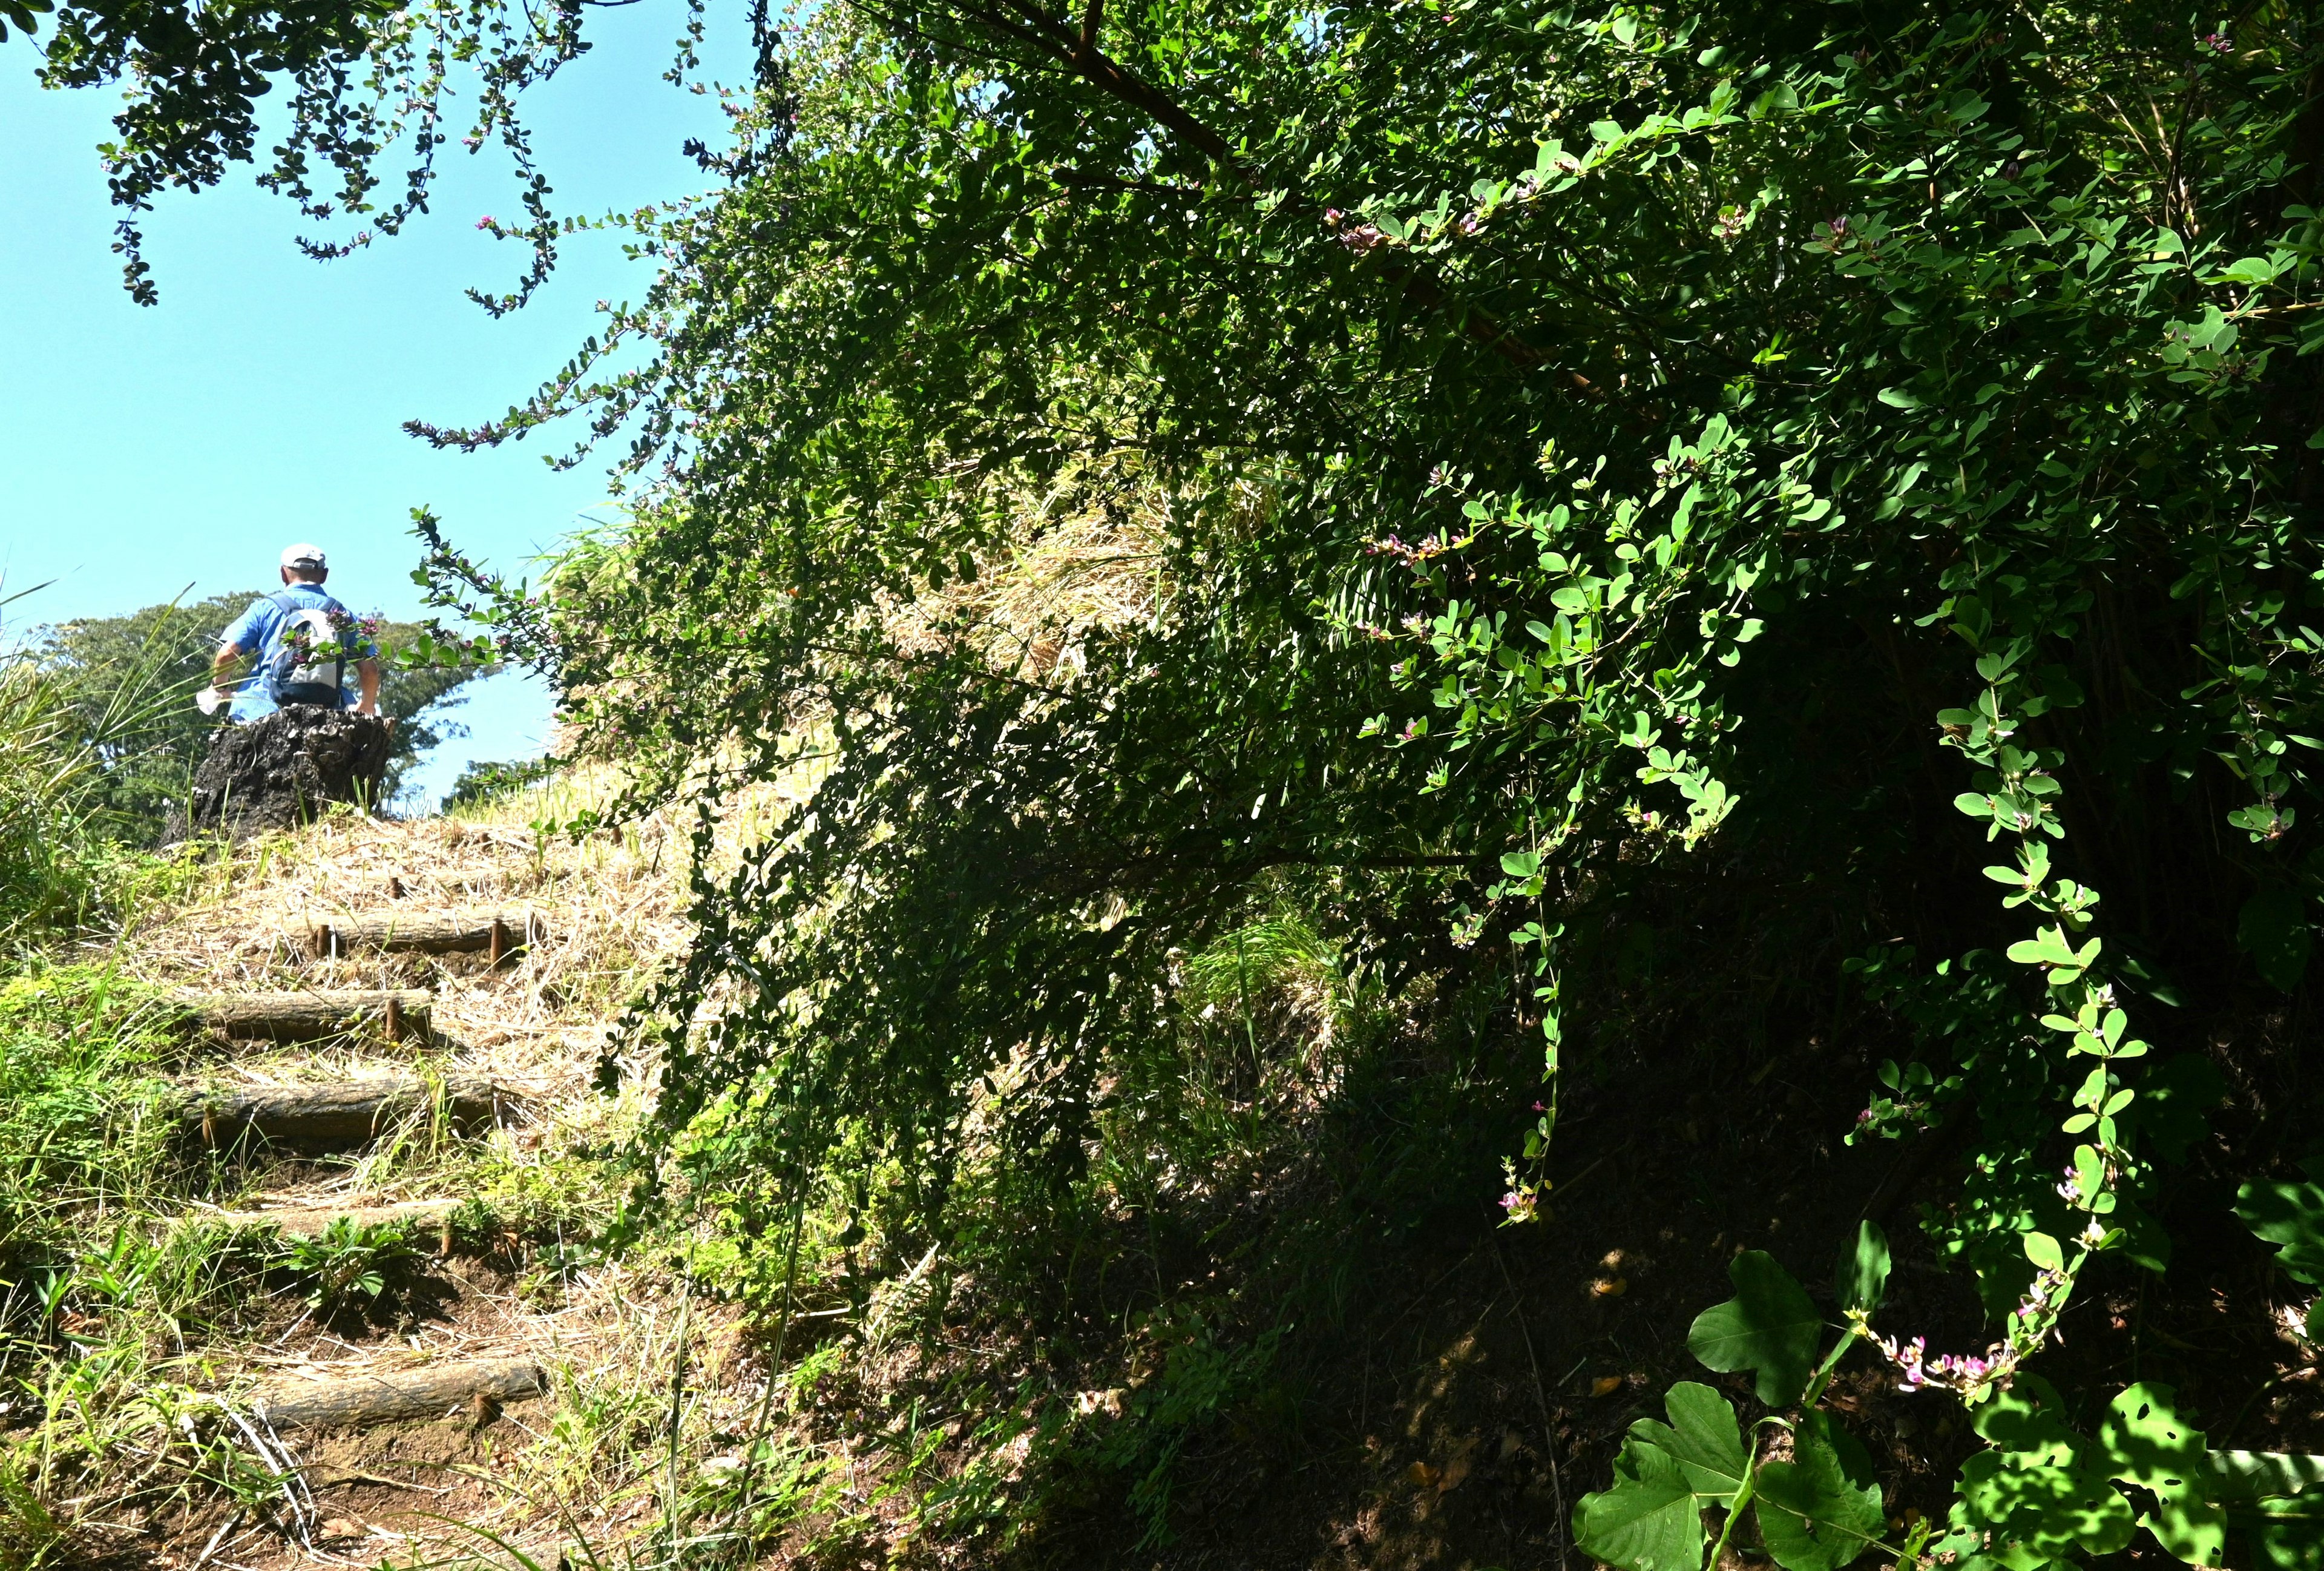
1610	1286
1421	1474
1605	1385
1455	1472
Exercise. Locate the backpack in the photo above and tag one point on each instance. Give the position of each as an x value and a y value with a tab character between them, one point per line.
308	664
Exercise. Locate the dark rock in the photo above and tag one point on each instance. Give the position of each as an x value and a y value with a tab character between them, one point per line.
284	770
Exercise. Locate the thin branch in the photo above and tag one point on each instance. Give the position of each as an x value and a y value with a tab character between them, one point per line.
1037	31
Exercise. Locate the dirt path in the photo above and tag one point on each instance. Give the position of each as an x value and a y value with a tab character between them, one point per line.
370	1102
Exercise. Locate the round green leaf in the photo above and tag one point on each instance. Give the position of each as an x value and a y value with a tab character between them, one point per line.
1821	1508
1648	1522
1770	1325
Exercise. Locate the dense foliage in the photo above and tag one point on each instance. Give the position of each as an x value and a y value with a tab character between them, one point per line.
1812	497
1577	453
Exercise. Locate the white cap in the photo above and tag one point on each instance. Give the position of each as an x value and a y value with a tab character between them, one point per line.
303	555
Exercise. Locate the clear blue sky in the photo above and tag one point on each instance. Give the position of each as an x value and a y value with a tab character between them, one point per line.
145	450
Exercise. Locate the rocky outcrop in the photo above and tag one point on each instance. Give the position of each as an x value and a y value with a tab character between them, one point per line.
284	769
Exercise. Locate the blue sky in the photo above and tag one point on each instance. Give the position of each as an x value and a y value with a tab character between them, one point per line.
146	449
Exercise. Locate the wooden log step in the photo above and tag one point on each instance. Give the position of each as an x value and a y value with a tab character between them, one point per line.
311	1016
431	1391
312	1221
334	1115
427	933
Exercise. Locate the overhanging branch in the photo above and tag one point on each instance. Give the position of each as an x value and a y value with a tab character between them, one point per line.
1036	29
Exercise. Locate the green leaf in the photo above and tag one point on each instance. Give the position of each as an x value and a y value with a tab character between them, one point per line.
2291	1217
2053	1510
2146	1242
2175	1102
1648	1522
2147	1443
2277	1499
2249	270
1703	1438
1770	1325
2024	1422
2289	1531
2244	1477
2043	1252
2047	948
2274	930
1863	1274
1821	1508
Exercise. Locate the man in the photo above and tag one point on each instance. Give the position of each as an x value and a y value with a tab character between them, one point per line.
304	641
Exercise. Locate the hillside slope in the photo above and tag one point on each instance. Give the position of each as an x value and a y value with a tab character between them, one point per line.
1282	1330
211	1290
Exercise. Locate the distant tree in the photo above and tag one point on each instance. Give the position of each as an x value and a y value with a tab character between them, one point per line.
486	780
169	647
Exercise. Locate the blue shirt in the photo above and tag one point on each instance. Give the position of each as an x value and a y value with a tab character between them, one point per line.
259	632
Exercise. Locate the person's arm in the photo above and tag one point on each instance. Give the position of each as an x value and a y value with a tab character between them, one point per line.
222	666
241	639
367	680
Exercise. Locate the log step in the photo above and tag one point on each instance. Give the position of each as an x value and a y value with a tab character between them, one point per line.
312	1221
431	1391
427	933
336	1115
314	1016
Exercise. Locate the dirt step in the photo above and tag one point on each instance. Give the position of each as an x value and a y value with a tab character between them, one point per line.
339	1115
428	933
311	1016
309	1221
426	1390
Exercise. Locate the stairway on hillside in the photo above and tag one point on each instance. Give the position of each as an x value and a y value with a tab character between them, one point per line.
351	1112
358	1054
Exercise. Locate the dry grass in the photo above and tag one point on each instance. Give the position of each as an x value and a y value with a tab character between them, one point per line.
600	1457
595	1457
1087	556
